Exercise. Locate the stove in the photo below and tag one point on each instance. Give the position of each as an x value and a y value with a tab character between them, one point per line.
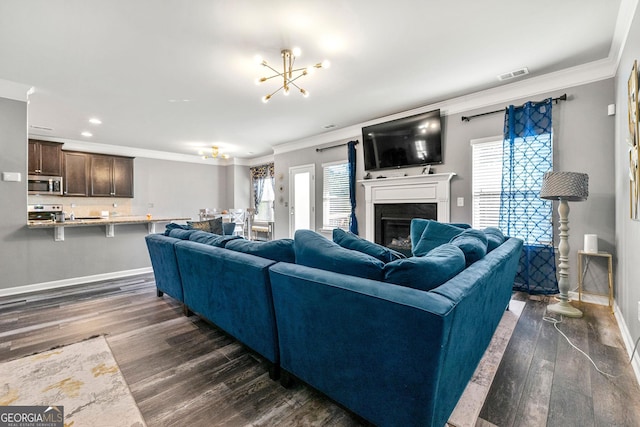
43	212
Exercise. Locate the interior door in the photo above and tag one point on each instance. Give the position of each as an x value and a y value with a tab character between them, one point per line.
302	198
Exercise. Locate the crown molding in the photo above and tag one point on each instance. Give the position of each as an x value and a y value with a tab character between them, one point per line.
254	161
559	80
15	91
626	13
120	150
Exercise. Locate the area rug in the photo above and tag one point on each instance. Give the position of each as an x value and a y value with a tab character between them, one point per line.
83	378
470	404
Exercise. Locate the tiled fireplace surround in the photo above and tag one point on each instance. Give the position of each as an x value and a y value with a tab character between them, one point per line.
391	203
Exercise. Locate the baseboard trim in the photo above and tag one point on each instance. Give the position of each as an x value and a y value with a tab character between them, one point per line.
17	290
629	342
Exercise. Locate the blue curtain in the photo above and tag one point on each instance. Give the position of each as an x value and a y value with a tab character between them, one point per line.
527	155
353	221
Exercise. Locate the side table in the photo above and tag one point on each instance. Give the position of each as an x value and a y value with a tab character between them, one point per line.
581	255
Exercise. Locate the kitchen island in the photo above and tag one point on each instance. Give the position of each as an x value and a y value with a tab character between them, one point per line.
108	222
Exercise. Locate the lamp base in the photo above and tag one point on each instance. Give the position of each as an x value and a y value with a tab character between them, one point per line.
564	308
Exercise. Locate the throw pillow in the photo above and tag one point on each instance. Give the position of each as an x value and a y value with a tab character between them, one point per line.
211	239
473	243
179	233
314	250
426	272
210	226
349	240
174	226
494	238
276	250
435	234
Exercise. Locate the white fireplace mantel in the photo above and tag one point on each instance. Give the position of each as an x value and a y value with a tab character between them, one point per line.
435	188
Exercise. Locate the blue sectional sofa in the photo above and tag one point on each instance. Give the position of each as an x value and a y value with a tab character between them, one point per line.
394	340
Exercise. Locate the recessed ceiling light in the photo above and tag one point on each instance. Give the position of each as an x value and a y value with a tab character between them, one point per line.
95	121
87	134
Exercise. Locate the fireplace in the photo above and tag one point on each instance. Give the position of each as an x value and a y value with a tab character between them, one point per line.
393	221
433	190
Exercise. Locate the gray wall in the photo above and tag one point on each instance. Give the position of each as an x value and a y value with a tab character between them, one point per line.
32	257
583	142
177	188
627	232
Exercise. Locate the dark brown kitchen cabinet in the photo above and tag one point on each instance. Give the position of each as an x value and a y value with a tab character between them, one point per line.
75	180
110	176
45	158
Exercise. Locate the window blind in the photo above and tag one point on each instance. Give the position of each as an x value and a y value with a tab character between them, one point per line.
486	183
336	206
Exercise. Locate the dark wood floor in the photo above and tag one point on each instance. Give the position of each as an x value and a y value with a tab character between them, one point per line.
184	371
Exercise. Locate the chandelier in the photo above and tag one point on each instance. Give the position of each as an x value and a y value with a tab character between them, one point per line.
289	74
215	153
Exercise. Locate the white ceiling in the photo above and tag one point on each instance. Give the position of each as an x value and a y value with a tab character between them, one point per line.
176	75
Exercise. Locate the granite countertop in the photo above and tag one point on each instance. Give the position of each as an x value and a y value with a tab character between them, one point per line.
84	221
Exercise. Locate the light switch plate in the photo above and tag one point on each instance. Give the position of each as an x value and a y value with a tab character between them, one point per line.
11	176
460	201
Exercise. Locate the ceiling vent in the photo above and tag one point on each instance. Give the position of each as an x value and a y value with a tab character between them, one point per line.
40	127
513	74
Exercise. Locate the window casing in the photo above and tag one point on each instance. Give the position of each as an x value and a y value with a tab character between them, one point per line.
486	181
336	205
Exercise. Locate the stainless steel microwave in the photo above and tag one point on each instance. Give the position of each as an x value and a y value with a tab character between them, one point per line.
45	185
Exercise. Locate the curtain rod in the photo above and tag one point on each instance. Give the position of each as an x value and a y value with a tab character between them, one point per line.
468	118
319	150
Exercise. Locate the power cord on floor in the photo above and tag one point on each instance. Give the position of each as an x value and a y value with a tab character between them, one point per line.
555	325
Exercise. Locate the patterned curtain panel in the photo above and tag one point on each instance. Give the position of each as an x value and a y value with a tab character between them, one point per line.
527	155
258	175
353	221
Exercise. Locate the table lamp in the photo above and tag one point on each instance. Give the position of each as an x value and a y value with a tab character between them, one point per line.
564	187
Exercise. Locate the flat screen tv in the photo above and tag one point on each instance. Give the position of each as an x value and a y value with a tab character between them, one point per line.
410	141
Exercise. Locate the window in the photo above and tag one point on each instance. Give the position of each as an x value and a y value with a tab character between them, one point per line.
336	206
487	186
265	206
486	181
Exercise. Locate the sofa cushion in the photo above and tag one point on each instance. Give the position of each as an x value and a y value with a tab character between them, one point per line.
349	240
174	226
211	239
473	243
314	250
433	235
426	272
276	250
495	238
179	233
211	225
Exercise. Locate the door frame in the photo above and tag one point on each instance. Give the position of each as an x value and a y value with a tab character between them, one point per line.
311	168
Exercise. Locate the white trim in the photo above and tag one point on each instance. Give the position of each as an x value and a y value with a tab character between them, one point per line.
433	188
626	12
629	342
337	162
556	81
255	161
487	139
15	91
17	290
